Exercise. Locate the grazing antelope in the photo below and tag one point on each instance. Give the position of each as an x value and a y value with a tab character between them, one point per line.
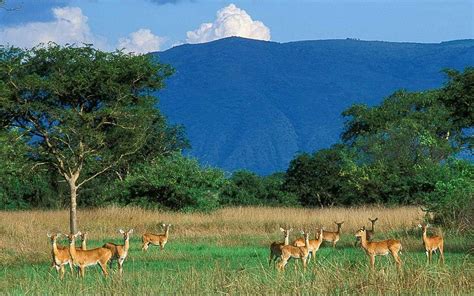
61	256
314	244
370	233
120	252
84	258
383	248
331	236
288	252
432	244
275	248
156	239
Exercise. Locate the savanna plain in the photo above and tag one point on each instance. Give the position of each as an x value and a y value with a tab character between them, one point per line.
226	252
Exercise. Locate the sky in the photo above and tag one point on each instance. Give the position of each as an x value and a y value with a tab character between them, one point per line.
143	26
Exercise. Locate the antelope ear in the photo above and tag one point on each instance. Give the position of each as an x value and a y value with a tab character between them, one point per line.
363	227
163	224
428	225
302	232
282	230
78	233
121	231
169	225
376	218
419	225
48	234
130	231
291	229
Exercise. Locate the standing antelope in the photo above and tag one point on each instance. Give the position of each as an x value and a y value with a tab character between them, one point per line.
84	258
288	252
370	233
275	248
61	256
84	241
432	244
82	247
331	236
314	244
156	239
120	252
383	248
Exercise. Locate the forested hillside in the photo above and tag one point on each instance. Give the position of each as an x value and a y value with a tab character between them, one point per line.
249	104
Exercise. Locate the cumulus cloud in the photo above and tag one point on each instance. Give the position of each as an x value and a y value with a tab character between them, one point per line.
230	21
141	41
69	26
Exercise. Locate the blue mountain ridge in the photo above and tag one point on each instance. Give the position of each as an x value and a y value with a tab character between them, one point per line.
250	104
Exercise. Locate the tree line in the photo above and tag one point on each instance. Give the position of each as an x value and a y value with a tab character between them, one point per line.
81	127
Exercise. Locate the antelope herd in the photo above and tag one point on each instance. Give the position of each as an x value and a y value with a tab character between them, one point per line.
303	248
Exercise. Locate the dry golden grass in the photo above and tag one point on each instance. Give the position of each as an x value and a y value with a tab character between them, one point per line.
24	233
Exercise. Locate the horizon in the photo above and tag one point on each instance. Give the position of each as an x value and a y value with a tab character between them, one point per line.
158	25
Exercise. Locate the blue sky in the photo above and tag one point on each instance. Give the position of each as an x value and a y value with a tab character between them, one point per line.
149	25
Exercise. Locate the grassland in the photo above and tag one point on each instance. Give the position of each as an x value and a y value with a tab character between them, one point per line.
226	252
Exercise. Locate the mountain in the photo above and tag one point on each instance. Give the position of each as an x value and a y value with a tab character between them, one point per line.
249	104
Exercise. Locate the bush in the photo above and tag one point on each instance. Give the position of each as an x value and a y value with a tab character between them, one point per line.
247	188
452	200
174	182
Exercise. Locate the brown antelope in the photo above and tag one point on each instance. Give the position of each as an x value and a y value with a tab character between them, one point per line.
275	248
61	256
84	241
370	233
82	247
288	252
120	252
432	244
314	244
84	258
383	248
156	239
331	236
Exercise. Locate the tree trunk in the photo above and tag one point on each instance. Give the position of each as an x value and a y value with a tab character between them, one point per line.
72	210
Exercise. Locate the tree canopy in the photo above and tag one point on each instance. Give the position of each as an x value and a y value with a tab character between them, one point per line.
83	111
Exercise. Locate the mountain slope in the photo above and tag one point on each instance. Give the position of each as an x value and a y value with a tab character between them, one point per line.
249	104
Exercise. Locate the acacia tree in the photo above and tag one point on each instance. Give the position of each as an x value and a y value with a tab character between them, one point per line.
83	111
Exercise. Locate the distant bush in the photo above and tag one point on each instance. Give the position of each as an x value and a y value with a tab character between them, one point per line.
452	200
247	188
174	182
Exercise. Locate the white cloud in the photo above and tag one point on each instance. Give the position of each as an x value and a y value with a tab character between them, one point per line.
69	26
141	41
230	21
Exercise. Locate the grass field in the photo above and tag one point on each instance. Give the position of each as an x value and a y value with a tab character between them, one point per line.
226	252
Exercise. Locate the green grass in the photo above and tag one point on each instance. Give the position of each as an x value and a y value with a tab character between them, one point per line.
202	266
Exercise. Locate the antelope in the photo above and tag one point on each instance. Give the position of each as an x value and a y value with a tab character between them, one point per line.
61	256
275	248
288	252
432	244
82	247
369	233
156	239
374	248
84	241
84	258
314	244
120	252
331	236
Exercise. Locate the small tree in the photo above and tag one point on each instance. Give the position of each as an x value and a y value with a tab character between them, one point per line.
82	110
